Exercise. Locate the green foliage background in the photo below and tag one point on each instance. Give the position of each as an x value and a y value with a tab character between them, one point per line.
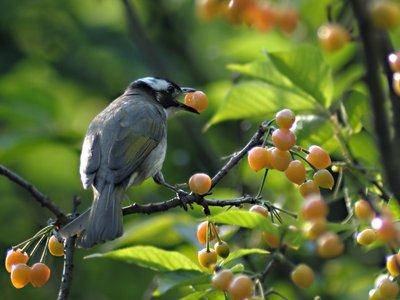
61	62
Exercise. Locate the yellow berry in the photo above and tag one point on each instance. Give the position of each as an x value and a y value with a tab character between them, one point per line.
385	14
324	179
363	210
302	276
241	287
314	208
393	264
366	237
285	118
314	228
280	159
55	247
283	139
332	37
15	257
20	275
329	245
296	172
200	183
259	158
309	188
197	100
222	280
318	157
259	209
39	275
207	259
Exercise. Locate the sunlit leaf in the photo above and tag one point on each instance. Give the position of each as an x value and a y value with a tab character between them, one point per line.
243	252
168	280
245	219
150	257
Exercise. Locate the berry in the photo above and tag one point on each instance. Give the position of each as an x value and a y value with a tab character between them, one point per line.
302	276
314	208
393	264
324	179
374	294
385	14
309	188
222	280
39	275
200	183
207	9
385	229
207	259
285	118
366	237
15	257
396	83
332	37
394	61
259	209
236	9
260	16
280	159
287	20
329	245
20	275
241	287
271	240
363	210
296	172
314	228
198	100
283	139
259	158
202	232
388	289
55	247
222	249
318	157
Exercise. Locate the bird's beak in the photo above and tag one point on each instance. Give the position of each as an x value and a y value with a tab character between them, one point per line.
187	108
186	90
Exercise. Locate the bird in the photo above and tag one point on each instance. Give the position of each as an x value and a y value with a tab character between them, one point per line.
124	145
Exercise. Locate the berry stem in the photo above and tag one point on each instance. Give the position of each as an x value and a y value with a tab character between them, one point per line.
42	257
302	158
208	236
215	232
36	246
27	242
262	184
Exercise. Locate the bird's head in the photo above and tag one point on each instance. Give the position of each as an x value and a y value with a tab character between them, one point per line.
165	92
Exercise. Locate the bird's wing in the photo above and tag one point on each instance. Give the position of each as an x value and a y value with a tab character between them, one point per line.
140	129
90	158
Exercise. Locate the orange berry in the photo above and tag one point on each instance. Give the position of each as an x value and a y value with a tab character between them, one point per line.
241	287
200	183
309	188
394	61
285	118
222	280
272	240
15	257
260	16
366	237
202	232
296	172
222	249
329	245
198	100
385	14
20	275
375	294
385	229
318	157
388	289
393	264
324	179
207	9
39	275
236	9
259	158
363	210
314	208
259	209
207	259
287	20
396	83
332	37
314	228
302	276
55	247
280	159
283	139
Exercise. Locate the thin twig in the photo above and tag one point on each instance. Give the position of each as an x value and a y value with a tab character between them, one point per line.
36	194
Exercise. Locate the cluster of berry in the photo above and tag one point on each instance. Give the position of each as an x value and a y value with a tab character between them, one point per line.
257	14
39	273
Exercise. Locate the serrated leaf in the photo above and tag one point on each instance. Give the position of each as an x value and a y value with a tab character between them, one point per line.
243	252
245	219
150	257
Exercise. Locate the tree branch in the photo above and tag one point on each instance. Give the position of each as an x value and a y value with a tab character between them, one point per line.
36	194
377	96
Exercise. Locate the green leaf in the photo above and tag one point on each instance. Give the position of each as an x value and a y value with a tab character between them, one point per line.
358	115
150	257
210	294
363	148
245	219
238	268
299	79
346	79
169	280
243	252
394	208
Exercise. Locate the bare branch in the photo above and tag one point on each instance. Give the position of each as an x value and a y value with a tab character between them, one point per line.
36	194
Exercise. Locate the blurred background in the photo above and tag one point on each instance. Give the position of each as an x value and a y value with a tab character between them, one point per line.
62	62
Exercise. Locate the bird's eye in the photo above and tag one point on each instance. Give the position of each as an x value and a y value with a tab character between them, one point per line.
171	90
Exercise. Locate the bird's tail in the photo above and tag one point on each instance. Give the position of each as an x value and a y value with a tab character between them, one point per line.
103	222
